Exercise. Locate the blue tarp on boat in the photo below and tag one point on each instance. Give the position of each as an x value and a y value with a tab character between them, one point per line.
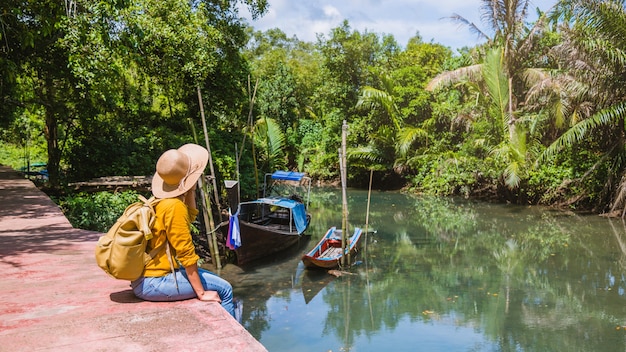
287	175
297	210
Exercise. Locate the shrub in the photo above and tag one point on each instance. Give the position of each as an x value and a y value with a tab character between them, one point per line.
96	211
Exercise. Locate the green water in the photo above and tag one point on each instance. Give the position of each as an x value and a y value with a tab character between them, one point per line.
445	275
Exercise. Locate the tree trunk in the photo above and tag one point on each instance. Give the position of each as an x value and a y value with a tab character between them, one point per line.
54	154
512	119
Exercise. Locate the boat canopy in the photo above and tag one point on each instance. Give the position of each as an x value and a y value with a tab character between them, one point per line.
287	175
297	210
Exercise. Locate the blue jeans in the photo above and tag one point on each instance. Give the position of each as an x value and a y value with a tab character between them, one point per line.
163	288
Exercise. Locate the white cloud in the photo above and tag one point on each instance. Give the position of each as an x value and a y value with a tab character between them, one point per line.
331	12
402	18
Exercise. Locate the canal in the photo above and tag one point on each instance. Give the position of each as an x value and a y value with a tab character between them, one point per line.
442	274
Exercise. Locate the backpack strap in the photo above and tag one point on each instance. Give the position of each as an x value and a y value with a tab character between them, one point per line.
168	252
158	249
147	215
169	258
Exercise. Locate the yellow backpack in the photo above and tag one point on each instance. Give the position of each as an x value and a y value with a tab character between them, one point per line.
121	252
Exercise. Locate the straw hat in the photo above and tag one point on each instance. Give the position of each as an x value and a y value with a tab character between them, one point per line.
177	170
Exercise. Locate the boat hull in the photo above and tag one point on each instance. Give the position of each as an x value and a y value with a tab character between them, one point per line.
270	224
264	240
327	253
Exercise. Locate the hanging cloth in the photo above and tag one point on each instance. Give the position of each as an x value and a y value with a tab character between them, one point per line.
233	240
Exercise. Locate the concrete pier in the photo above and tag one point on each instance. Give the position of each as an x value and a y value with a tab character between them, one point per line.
55	298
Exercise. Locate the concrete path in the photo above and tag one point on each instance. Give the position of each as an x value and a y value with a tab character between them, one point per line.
55	298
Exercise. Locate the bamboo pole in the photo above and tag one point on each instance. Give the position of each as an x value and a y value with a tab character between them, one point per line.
343	211
343	171
347	300
208	147
367	275
251	98
206	200
207	216
209	223
367	211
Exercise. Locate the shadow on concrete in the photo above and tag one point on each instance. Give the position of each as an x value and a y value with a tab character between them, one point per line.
43	240
125	296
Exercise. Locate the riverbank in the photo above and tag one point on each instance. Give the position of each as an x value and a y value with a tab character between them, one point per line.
54	297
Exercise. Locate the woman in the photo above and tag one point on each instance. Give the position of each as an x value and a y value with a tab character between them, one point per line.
177	172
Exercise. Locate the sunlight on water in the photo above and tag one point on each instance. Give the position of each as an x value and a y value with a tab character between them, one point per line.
445	275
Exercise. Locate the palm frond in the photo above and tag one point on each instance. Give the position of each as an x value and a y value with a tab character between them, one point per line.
512	172
367	153
607	17
527	41
606	48
536	78
407	136
271	139
512	176
448	78
497	84
371	98
577	132
513	153
472	27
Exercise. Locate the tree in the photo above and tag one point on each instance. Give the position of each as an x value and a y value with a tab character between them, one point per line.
347	57
404	135
36	60
112	62
501	77
594	52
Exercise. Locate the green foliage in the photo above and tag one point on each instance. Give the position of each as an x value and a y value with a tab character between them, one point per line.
104	88
451	174
19	156
270	141
111	85
498	91
313	159
544	183
96	211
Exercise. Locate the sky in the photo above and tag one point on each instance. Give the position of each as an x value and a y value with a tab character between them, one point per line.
402	18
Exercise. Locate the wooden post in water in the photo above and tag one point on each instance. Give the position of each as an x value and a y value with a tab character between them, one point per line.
367	276
345	259
206	201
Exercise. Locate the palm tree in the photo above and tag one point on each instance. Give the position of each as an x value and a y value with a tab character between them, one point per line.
401	136
594	51
270	141
502	78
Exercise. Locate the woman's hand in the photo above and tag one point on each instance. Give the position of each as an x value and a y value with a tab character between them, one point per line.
210	296
190	197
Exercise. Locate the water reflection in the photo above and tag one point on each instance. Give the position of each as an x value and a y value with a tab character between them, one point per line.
446	274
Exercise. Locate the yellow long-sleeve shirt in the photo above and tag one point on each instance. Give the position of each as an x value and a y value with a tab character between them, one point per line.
173	220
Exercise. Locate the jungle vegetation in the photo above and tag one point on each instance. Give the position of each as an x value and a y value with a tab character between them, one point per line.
535	115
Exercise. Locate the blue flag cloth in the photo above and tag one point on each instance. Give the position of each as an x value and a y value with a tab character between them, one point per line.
233	240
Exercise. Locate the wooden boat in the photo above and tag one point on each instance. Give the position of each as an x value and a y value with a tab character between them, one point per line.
327	253
330	252
273	223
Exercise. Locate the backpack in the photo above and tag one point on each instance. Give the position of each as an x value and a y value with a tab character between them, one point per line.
121	252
